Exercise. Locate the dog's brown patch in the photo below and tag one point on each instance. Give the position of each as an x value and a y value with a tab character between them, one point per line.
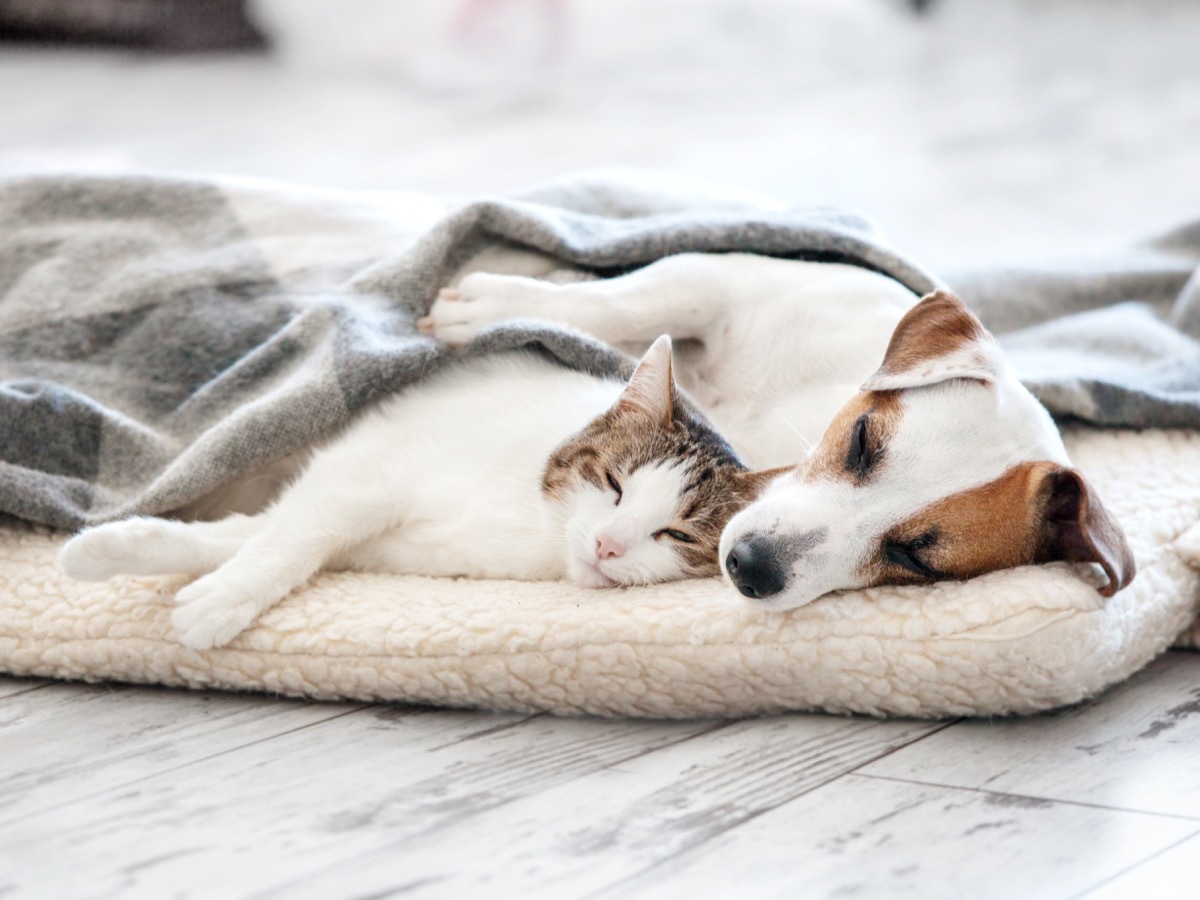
829	459
993	526
1035	512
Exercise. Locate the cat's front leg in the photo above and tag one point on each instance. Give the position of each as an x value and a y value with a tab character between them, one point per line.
213	610
216	608
684	296
338	503
300	535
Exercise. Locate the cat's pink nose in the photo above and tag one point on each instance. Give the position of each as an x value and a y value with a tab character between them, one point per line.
607	548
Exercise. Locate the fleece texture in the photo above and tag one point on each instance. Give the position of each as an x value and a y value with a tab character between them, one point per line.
1015	641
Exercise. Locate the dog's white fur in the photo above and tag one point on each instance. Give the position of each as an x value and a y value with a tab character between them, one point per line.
768	348
774	349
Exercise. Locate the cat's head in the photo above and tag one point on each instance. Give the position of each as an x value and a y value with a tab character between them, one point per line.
646	488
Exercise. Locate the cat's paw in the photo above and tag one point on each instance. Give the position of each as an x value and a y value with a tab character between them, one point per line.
481	299
211	613
114	549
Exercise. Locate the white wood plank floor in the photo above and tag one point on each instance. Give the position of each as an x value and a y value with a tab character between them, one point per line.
118	791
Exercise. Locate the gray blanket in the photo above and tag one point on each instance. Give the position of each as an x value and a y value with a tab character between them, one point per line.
159	337
1111	340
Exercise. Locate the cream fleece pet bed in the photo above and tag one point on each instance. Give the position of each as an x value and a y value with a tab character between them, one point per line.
1017	641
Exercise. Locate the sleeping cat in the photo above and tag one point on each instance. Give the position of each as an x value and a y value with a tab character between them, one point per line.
507	466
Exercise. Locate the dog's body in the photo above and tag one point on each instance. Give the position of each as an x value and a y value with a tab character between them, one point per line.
942	465
762	345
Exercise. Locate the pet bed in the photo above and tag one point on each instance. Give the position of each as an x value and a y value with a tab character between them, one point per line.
1017	641
288	310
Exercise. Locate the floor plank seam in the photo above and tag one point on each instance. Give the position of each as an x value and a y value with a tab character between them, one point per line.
495	729
28	690
750	817
124	785
938	729
716	726
1033	797
1141	862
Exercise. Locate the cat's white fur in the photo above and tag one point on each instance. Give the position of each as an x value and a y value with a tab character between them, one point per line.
442	479
596	528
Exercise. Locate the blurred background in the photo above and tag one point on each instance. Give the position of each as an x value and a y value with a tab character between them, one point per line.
974	131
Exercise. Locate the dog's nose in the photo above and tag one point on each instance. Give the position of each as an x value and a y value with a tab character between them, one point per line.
755	568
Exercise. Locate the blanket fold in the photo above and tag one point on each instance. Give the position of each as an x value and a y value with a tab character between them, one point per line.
1112	340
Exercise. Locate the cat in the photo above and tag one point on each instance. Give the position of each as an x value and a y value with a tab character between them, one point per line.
505	466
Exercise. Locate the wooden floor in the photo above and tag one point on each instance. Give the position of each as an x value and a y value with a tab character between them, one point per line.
118	791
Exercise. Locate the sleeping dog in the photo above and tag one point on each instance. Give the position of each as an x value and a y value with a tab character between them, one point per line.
933	460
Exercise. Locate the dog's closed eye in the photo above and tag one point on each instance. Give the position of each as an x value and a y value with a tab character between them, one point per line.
861	456
910	555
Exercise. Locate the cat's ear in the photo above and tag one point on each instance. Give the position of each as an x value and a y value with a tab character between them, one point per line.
752	482
651	390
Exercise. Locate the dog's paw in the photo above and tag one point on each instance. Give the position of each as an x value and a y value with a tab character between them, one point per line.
211	613
114	549
459	314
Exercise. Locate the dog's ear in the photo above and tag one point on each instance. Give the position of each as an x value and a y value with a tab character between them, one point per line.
1077	528
938	339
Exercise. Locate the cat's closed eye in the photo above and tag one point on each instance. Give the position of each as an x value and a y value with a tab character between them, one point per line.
674	534
616	486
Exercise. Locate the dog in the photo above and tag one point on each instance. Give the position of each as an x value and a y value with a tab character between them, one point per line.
934	462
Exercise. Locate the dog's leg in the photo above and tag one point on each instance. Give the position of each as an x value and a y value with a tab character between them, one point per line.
684	296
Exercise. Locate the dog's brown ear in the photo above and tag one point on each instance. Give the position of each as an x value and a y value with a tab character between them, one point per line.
1077	528
938	339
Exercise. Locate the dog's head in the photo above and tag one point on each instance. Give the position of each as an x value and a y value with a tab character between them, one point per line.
943	466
